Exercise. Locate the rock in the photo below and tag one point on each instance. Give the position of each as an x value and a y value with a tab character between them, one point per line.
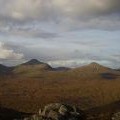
49	107
59	111
53	115
63	110
34	117
116	116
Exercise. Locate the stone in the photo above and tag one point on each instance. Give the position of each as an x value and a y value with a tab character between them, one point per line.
116	116
63	110
58	111
49	107
53	115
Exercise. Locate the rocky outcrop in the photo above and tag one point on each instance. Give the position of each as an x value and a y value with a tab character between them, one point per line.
58	111
116	116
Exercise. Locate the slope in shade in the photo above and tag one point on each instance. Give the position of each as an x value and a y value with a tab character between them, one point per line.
5	69
33	62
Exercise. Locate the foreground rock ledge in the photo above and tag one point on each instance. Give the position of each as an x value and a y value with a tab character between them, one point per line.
116	116
58	111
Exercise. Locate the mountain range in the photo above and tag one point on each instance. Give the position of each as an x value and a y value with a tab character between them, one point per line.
34	64
35	68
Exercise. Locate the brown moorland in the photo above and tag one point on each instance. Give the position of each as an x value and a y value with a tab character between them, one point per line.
94	88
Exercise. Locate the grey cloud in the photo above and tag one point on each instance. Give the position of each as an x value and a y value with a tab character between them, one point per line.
33	34
25	18
65	13
28	31
59	57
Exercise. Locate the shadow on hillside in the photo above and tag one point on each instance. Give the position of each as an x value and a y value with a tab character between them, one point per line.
10	114
98	113
109	76
103	112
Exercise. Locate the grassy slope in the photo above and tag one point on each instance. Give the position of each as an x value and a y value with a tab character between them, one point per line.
32	87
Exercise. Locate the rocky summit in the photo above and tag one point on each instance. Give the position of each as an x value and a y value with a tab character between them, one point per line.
58	111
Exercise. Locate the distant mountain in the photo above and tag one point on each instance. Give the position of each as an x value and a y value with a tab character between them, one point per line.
118	69
61	69
93	67
33	62
4	69
32	67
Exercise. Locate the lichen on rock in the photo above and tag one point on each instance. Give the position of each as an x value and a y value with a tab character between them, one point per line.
58	111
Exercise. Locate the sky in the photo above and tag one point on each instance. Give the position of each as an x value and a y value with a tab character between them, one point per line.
60	32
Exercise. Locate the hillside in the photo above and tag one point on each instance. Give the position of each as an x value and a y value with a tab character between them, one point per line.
93	68
5	70
33	85
33	62
31	67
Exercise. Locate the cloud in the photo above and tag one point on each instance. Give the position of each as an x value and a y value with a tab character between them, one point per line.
60	30
96	14
6	53
30	33
34	9
60	53
28	30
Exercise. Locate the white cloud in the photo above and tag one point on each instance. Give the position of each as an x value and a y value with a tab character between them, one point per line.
6	53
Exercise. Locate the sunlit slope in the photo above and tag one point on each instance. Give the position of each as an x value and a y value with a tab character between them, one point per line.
93	68
32	67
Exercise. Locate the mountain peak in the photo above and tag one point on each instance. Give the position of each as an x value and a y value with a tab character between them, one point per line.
33	62
94	67
94	63
98	67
